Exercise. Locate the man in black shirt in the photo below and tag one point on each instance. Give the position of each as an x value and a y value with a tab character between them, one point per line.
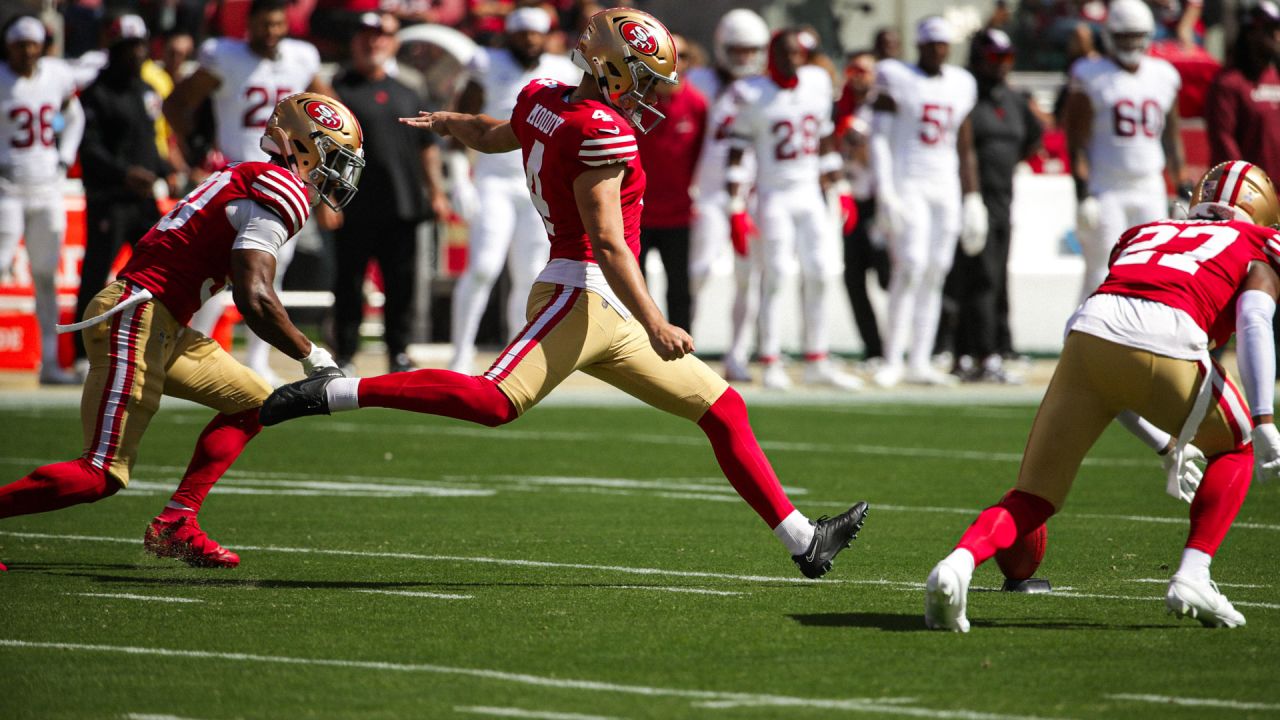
119	158
1005	132
401	186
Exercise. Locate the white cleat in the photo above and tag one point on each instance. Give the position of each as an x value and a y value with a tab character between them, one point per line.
946	593
887	377
463	364
736	370
775	377
1200	599
823	372
932	377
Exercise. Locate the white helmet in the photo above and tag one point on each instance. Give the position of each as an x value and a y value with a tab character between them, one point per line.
1132	19
741	28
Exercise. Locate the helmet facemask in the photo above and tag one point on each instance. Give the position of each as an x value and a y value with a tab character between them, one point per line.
632	103
337	176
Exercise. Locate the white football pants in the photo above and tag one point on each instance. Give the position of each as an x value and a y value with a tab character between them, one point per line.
506	229
920	257
38	213
1137	202
795	223
708	242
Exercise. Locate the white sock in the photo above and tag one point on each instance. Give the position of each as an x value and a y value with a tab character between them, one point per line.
1195	563
343	394
796	532
961	559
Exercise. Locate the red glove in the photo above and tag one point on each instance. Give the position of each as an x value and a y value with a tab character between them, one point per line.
848	213
741	229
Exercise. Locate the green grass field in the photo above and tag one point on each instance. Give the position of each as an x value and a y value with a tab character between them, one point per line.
590	562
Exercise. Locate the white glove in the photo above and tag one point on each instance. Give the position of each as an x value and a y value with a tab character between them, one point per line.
973	230
1185	480
319	359
1087	214
890	218
1266	452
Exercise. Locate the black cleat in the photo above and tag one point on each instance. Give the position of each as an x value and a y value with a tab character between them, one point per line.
299	399
830	536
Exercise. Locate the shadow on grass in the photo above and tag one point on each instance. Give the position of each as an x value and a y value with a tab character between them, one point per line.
914	622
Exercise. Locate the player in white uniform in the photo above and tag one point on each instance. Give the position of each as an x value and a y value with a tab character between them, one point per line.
246	78
741	42
922	153
505	227
33	91
1122	132
785	119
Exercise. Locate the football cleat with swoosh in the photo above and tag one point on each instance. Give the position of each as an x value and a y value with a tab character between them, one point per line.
830	536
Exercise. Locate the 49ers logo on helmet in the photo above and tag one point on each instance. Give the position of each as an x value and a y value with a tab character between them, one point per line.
639	37
324	114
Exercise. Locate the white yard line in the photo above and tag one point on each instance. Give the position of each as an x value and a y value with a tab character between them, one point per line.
417	594
1165	581
1195	702
151	716
878	706
522	713
129	596
1101	596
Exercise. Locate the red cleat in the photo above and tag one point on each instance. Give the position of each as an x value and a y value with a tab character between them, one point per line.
183	539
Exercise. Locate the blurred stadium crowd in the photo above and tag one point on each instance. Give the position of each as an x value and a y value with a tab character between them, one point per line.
916	149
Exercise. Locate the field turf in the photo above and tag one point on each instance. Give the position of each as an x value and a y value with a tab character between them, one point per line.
590	562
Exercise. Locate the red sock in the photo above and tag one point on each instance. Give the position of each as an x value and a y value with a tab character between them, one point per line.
1226	481
219	445
440	392
56	486
997	527
742	460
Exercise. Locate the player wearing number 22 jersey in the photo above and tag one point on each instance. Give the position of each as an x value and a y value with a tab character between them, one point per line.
589	309
1137	350
230	228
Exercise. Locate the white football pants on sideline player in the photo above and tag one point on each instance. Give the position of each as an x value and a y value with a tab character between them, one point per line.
920	257
795	223
1141	201
39	214
708	242
506	229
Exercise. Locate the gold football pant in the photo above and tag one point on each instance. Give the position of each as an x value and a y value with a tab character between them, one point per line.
575	329
1096	380
135	357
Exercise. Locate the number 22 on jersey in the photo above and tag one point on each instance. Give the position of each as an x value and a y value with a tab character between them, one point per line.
1141	251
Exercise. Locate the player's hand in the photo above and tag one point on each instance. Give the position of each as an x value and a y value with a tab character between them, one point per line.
973	231
890	217
436	122
140	181
839	198
1184	480
1266	451
1087	215
741	229
320	360
670	342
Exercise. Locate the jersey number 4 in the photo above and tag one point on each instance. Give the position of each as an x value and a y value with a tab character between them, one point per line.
532	175
1141	251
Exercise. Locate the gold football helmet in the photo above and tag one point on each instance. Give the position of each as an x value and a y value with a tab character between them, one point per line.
1240	185
321	140
628	52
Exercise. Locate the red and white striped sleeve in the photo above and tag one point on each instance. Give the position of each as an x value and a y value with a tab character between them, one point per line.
283	193
608	144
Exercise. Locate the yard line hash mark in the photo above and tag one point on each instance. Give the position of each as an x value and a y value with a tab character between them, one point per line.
1195	702
522	713
130	596
417	594
881	706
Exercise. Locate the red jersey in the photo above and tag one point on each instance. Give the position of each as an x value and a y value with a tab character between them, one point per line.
671	150
560	140
186	257
1196	266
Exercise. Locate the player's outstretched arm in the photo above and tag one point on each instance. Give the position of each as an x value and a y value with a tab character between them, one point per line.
478	132
598	194
253	274
1256	359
